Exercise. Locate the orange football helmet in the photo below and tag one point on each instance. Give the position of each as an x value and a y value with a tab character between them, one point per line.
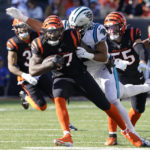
53	29
116	18
21	29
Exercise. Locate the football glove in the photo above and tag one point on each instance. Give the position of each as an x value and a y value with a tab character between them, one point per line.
121	64
142	67
58	62
27	77
82	53
16	13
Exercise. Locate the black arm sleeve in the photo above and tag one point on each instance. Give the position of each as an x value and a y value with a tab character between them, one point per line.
140	50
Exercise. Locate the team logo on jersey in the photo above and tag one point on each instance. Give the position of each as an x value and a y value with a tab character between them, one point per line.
103	31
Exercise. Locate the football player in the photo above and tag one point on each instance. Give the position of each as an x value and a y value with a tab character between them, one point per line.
91	55
125	44
94	35
69	76
19	53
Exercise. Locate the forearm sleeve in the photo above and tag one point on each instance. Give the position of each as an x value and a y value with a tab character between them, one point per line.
140	50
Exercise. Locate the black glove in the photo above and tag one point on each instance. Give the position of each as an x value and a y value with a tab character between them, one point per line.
58	62
110	64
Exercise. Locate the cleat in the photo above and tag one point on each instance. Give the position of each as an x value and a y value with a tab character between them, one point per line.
132	138
145	143
111	141
24	103
64	141
72	127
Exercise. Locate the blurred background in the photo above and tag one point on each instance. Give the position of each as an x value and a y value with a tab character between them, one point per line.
137	13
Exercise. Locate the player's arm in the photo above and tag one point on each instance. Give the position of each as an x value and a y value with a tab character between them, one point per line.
12	63
33	23
36	67
100	51
140	50
146	43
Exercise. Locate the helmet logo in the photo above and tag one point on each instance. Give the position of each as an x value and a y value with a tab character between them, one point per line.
88	15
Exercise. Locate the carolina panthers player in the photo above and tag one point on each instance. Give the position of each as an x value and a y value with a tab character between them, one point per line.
94	35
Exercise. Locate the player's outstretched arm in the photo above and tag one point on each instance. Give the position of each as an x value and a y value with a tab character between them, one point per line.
146	43
16	13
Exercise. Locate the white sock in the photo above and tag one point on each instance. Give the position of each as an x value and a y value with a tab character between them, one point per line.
66	132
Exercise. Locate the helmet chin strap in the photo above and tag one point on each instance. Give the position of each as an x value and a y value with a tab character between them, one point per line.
53	43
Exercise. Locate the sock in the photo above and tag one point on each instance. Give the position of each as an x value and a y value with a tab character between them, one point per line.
114	114
112	126
124	115
134	116
62	113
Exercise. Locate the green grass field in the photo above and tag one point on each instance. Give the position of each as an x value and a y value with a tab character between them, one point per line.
31	129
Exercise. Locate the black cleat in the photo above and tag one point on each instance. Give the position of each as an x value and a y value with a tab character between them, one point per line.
24	103
145	143
72	127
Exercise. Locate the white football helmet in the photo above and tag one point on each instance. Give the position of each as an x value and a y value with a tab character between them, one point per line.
81	18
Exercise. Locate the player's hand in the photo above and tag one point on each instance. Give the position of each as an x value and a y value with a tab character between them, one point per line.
82	53
58	62
142	67
16	13
29	78
121	64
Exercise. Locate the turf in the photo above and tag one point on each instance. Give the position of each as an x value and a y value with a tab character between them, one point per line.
32	129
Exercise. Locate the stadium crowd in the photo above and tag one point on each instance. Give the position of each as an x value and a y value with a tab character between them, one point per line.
40	9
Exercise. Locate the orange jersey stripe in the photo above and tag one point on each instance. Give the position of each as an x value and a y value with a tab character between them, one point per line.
74	39
13	42
131	33
40	45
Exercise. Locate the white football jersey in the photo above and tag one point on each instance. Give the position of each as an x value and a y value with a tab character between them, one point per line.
93	35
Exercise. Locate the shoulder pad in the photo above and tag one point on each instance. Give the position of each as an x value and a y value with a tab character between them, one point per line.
99	33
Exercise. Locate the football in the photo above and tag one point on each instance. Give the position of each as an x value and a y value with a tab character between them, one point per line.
48	58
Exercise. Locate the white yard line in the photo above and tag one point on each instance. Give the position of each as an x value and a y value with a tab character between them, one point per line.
80	148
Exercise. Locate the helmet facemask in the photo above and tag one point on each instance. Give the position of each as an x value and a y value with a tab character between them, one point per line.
113	31
22	31
53	36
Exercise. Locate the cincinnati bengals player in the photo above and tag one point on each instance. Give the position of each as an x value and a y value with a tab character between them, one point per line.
125	44
69	75
19	53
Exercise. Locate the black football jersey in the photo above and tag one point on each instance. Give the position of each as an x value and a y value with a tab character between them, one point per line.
124	50
66	48
23	50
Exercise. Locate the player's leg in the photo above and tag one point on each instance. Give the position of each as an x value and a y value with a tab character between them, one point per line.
62	89
129	90
95	94
45	84
107	82
24	103
34	96
138	107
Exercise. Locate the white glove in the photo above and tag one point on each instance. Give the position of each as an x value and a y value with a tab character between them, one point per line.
142	67
16	13
121	64
82	53
29	78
